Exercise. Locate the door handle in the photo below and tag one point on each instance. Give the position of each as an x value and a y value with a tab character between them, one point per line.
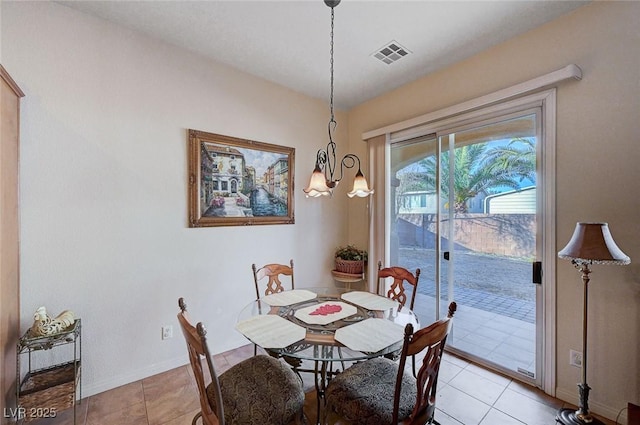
537	272
446	255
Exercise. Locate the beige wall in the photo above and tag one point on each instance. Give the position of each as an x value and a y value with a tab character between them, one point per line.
598	153
104	188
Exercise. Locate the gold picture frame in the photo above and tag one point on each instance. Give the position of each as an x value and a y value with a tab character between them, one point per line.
239	182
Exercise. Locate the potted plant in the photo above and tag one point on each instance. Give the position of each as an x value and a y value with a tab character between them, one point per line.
350	259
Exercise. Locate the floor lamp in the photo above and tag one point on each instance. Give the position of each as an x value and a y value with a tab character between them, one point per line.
591	243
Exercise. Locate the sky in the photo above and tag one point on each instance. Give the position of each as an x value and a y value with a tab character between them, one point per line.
260	160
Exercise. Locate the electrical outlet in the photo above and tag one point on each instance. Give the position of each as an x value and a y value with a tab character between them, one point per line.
575	358
167	332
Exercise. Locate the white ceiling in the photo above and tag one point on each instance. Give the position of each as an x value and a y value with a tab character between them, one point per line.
287	42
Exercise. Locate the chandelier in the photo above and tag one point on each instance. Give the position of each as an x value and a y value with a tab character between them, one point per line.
323	180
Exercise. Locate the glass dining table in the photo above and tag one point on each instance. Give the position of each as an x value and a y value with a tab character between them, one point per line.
324	325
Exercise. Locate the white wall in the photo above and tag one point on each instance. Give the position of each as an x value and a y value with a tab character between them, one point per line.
104	188
598	154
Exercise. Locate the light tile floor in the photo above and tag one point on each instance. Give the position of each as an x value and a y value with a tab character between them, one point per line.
467	394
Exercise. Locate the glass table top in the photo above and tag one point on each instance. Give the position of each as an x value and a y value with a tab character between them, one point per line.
320	313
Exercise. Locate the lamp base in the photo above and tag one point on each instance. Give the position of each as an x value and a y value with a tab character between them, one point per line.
569	417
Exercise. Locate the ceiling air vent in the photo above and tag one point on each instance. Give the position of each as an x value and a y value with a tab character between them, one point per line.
391	52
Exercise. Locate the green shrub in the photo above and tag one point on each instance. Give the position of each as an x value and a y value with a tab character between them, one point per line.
351	253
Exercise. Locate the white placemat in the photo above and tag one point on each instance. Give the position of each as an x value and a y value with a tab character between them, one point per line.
271	331
305	314
289	297
371	335
370	301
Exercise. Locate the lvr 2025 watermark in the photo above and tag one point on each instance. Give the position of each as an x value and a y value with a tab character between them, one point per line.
33	412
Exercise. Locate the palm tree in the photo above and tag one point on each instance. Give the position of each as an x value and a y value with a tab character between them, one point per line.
519	156
477	170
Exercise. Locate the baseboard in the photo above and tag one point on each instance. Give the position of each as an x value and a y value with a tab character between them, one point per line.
596	408
89	389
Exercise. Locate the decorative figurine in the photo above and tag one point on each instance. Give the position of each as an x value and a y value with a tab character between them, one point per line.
44	325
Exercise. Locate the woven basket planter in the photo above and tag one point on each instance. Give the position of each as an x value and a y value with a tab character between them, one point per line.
53	389
350	267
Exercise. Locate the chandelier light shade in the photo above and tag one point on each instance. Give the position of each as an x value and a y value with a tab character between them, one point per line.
591	243
318	184
323	179
360	187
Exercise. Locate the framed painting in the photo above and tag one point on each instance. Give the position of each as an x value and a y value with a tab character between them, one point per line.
238	182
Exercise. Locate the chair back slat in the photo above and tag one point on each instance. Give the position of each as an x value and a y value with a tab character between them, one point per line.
272	272
397	290
427	337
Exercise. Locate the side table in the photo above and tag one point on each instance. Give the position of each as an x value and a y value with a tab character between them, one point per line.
348	278
44	392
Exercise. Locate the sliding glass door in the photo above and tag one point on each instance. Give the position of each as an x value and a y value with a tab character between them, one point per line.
464	209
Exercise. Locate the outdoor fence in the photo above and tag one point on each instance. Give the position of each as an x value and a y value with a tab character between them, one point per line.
510	235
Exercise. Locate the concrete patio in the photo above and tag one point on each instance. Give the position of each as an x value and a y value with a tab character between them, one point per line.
496	306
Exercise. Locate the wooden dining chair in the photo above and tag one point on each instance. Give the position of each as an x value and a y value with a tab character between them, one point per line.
272	273
260	390
380	391
269	276
397	290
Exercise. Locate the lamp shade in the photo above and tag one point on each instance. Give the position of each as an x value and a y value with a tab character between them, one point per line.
593	243
318	184
360	187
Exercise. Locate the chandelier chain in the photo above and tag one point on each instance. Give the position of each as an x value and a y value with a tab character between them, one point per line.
331	65
323	179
